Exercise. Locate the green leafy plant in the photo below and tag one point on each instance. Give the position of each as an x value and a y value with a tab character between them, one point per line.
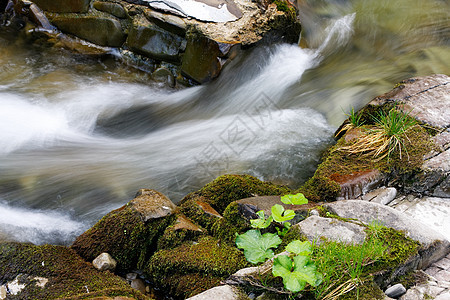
297	199
297	270
281	215
261	222
257	247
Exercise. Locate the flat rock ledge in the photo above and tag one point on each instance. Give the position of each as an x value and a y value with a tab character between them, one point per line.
187	40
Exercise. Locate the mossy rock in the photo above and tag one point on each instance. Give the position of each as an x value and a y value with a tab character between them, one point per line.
207	262
129	234
183	230
232	222
68	275
228	188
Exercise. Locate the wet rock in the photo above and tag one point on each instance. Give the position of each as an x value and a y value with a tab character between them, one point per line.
171	23
64	6
164	75
395	291
358	183
383	195
434	245
225	292
150	40
99	30
104	262
129	233
114	9
316	228
39	18
55	272
204	58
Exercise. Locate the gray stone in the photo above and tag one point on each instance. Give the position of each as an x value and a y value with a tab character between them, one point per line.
442	275
39	18
444	296
425	98
99	30
155	42
131	276
395	291
432	270
151	204
315	228
440	162
443	189
223	292
383	195
434	245
104	262
443	264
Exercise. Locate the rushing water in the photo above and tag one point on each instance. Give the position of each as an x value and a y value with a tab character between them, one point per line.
80	136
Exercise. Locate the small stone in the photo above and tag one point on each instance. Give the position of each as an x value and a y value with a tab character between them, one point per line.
138	284
104	262
383	195
314	213
2	292
395	291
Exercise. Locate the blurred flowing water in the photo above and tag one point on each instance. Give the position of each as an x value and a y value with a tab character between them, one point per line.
79	136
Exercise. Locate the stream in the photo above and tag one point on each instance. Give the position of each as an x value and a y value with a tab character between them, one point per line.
79	136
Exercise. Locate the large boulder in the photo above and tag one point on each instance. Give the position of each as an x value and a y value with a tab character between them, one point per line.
129	234
194	267
99	30
56	272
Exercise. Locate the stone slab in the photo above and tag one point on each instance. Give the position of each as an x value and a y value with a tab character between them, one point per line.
223	292
316	228
435	245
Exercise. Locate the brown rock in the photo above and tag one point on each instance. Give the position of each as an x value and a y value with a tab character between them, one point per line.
207	209
114	9
355	184
184	223
151	204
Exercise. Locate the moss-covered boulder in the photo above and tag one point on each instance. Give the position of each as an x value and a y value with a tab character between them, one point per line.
194	267
228	188
181	231
129	234
99	30
56	272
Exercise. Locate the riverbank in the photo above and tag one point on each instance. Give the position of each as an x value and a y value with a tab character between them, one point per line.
190	247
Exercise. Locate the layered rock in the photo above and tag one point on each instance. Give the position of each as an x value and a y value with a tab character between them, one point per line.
196	38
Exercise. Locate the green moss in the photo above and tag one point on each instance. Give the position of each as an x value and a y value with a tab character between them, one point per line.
191	209
174	238
228	188
232	222
210	259
125	236
69	276
320	188
367	290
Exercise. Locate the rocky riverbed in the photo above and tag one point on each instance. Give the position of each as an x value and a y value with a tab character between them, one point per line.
188	250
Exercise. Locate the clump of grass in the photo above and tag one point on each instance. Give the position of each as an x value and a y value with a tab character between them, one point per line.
353	121
385	137
342	265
